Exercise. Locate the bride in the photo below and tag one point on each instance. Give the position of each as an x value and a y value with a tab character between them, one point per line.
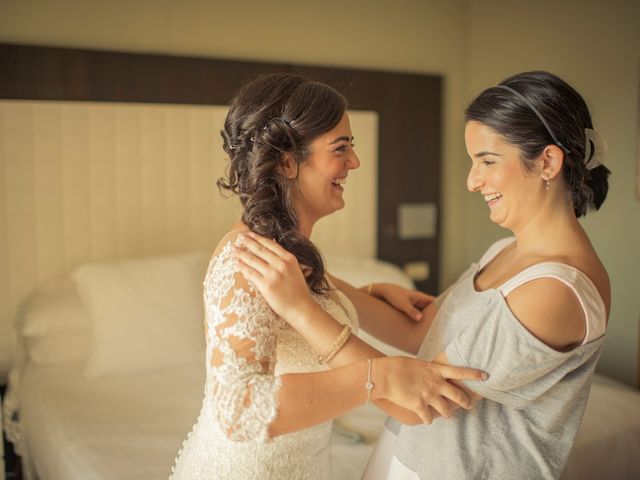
269	400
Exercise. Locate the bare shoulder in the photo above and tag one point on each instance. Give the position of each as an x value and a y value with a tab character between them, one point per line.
550	310
597	273
587	261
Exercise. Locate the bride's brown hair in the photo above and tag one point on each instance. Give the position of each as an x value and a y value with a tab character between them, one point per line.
270	116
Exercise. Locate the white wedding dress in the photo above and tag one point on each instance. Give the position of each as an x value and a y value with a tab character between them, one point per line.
248	348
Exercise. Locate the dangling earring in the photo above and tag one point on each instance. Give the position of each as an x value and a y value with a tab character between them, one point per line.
546	184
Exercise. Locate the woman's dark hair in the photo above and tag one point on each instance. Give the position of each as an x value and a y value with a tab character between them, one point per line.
567	116
270	116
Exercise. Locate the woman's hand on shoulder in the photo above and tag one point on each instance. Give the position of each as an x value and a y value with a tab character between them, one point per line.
275	273
410	302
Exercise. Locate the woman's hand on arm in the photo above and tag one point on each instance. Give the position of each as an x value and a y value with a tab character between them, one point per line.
441	359
410	302
426	388
412	391
386	322
453	395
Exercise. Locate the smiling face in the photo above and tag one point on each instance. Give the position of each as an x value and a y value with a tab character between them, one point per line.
322	176
513	195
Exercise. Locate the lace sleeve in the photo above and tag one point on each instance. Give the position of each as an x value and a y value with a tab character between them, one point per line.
241	344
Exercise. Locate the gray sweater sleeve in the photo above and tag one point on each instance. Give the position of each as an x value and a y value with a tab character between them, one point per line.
521	368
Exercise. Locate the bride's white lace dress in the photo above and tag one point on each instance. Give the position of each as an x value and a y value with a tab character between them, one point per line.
248	348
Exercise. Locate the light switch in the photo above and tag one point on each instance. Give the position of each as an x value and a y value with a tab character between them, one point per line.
417	271
417	220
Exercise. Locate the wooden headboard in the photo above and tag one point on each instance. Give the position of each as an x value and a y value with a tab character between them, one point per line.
408	108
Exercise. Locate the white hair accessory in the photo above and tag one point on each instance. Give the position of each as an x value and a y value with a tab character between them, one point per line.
595	149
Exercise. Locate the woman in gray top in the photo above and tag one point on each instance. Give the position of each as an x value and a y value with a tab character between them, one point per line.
532	312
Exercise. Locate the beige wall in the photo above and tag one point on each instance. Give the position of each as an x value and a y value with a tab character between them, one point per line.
106	181
428	36
595	45
471	43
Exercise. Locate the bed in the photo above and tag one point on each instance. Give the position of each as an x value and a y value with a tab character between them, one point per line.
95	199
101	409
114	156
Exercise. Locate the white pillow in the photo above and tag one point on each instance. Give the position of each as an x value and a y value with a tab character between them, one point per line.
146	314
367	421
362	271
53	310
53	325
69	347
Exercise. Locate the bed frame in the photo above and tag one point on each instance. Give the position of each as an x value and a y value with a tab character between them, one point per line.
409	107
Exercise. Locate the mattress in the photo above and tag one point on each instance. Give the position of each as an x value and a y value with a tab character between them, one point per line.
608	441
131	427
127	427
121	425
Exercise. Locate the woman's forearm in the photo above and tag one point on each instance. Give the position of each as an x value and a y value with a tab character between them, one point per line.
308	399
385	322
320	330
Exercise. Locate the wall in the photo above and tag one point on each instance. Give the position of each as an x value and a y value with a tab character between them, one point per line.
594	45
405	35
96	181
472	43
425	36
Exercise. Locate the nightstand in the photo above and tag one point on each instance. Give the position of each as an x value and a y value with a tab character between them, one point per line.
2	465
10	467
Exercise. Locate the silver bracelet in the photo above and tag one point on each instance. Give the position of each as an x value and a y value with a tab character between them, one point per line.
369	385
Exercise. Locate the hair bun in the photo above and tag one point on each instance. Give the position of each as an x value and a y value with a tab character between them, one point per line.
278	134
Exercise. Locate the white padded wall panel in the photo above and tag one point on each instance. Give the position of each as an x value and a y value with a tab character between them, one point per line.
84	181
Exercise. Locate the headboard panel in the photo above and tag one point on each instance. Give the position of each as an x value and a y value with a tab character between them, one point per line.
110	209
94	181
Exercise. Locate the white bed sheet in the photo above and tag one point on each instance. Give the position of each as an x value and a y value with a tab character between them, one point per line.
131	427
111	428
126	428
608	442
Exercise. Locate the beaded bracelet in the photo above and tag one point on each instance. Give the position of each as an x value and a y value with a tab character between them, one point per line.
341	339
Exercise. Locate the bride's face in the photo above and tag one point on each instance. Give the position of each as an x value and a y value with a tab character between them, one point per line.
321	179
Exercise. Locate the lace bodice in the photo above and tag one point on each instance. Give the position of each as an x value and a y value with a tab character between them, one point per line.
248	349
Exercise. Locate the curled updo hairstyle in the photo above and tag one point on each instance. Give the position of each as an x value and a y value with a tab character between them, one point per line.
567	115
272	115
